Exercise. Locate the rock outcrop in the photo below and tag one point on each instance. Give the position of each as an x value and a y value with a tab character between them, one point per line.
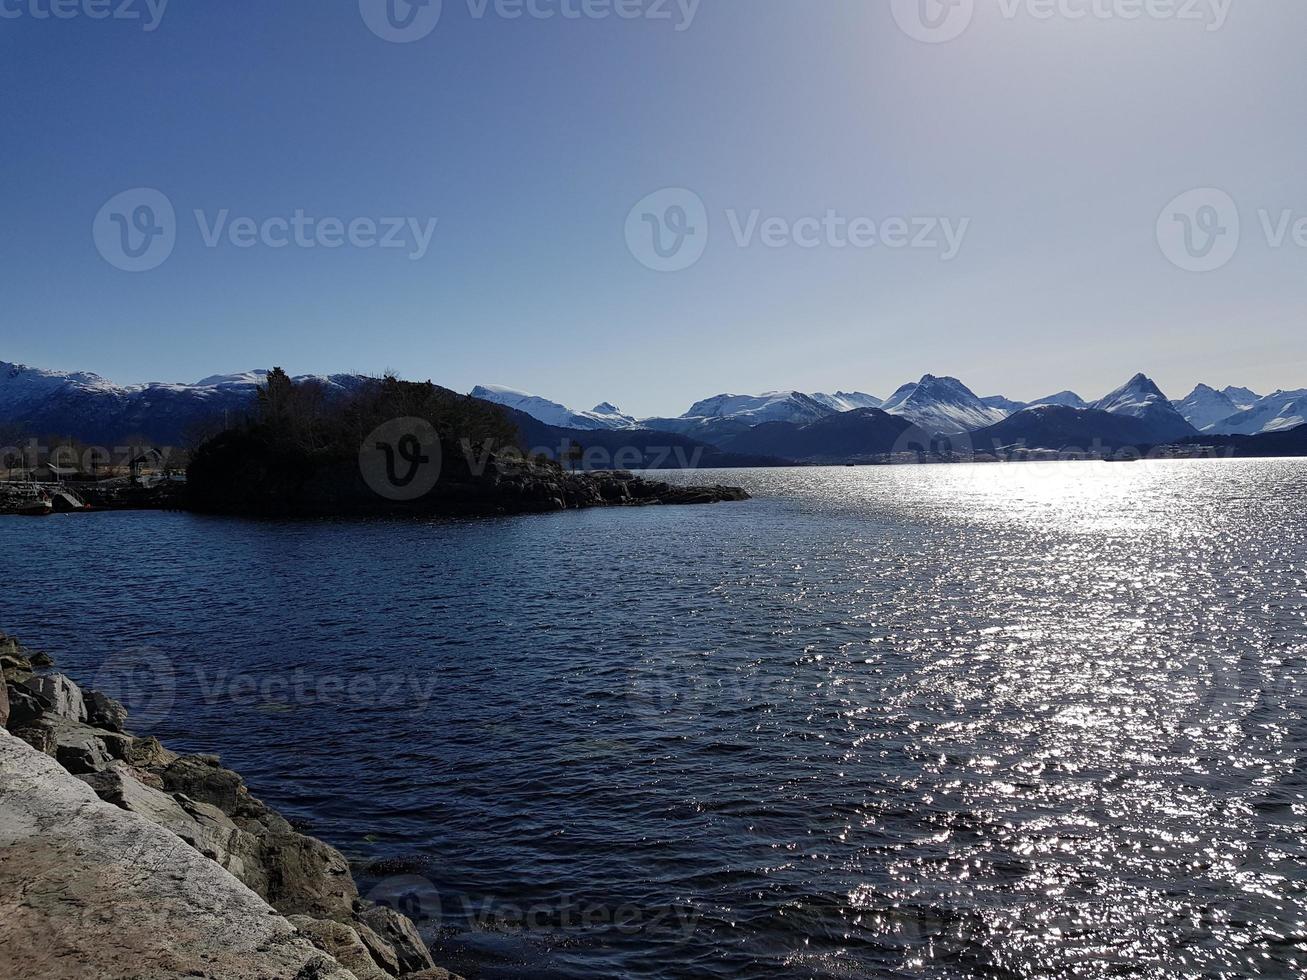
119	858
88	890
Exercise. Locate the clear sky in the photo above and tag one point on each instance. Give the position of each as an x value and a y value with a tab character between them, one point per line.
1052	143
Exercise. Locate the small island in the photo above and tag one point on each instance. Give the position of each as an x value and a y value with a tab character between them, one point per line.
392	447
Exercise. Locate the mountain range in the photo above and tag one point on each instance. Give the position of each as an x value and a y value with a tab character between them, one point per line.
94	410
946	405
789	425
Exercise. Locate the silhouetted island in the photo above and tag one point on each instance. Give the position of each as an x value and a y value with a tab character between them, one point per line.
395	447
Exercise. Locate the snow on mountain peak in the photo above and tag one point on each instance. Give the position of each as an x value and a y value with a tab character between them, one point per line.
255	378
1243	398
1065	399
1276	412
1140	398
770	406
846	401
1136	395
943	404
1205	407
604	416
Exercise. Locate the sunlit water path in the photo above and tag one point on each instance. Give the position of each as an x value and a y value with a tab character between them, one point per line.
1012	720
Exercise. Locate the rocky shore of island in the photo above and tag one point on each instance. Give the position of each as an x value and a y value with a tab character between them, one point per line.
122	859
521	489
236	474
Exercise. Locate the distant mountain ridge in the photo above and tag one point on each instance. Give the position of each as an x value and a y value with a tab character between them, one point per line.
863	433
943	405
1206	407
603	416
1279	411
1140	398
788	423
1061	428
93	409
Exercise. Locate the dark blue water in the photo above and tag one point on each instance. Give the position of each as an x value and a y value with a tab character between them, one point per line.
1003	721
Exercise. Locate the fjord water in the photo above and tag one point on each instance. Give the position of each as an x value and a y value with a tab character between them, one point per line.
1006	720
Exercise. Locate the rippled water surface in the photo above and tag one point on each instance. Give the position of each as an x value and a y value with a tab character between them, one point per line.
1003	721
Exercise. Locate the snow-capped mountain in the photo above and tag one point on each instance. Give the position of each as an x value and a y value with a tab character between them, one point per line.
1243	398
1004	403
720	418
1140	398
726	412
1205	407
771	406
846	401
602	416
93	409
96	410
1066	399
942	405
1276	412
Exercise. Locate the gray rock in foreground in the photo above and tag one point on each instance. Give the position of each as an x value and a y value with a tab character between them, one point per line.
91	891
194	801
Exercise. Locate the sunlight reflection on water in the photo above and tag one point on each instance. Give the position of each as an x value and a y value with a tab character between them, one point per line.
1005	720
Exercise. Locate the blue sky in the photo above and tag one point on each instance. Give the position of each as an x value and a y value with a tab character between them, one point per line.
1056	142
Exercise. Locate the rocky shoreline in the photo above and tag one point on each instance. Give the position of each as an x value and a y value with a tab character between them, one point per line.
106	495
235	475
505	489
98	912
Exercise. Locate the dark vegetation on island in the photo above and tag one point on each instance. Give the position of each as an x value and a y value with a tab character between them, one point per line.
298	453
